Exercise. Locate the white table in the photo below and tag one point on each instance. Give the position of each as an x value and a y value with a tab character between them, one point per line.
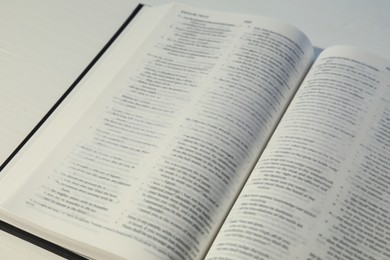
45	44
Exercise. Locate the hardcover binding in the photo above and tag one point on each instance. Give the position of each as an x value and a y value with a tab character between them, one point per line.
54	248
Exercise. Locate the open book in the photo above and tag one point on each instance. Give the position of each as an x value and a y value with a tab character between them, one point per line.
209	135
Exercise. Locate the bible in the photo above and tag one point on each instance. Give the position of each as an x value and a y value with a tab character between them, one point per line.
202	134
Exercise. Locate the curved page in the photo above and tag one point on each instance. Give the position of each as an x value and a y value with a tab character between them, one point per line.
321	188
153	165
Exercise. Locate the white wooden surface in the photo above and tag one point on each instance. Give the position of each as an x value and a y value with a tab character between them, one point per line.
45	44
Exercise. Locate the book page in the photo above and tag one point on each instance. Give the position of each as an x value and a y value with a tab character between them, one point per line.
156	161
321	188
